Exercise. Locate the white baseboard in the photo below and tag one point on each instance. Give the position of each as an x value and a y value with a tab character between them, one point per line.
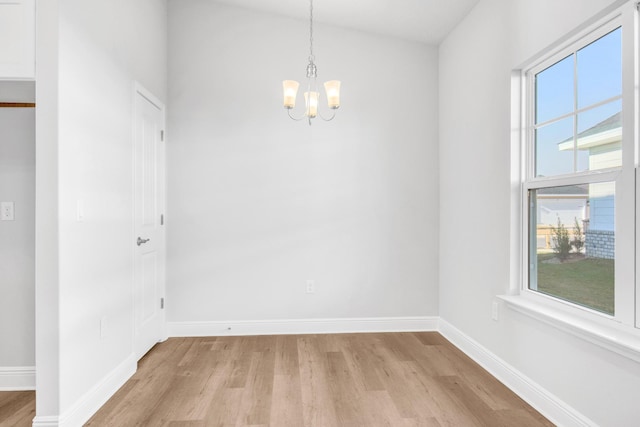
302	326
17	378
49	421
544	402
85	407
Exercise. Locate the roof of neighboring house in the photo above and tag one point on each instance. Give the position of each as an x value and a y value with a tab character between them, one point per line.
565	190
606	132
612	122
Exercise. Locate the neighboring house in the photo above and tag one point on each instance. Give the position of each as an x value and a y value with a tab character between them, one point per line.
603	144
602	141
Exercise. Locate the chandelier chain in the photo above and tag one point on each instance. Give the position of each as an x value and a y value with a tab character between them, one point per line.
311	57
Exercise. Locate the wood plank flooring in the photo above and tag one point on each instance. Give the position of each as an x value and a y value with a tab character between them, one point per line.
17	408
396	379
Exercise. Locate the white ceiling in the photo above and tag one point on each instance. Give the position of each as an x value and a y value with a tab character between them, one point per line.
427	21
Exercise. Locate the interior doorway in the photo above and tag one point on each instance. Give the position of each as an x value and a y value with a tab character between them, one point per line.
17	235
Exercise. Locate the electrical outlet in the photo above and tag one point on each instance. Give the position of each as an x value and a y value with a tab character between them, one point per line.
311	286
495	311
7	211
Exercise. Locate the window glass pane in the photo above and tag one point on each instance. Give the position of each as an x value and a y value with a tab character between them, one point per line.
554	90
572	244
600	137
554	148
599	68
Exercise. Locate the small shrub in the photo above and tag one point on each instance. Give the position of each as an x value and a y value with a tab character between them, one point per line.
561	242
578	238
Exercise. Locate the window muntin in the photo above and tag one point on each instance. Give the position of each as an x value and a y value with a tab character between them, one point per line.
575	100
575	133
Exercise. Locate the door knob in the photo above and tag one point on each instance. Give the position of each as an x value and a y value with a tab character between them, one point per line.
140	241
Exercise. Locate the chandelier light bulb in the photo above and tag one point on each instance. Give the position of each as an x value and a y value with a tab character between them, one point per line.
311	102
290	93
332	88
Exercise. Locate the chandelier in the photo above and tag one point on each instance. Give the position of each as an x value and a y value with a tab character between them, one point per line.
312	95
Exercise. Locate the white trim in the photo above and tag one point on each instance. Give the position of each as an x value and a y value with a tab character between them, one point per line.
591	177
518	157
606	333
17	378
46	421
138	88
557	411
87	405
302	326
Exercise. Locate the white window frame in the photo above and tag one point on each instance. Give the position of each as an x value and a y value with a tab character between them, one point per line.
620	332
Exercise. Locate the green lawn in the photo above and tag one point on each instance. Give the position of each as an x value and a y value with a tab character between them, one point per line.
588	282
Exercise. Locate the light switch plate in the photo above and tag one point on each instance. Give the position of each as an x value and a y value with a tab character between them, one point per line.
7	211
495	311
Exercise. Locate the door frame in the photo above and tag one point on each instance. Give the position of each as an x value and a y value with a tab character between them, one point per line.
140	90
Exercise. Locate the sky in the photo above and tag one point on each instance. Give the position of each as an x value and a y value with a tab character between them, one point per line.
597	68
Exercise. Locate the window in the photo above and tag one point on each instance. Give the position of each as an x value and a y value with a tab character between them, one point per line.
578	174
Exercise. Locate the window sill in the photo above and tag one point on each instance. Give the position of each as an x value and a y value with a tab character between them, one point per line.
621	339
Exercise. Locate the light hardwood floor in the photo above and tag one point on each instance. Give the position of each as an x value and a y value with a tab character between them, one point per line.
395	379
17	408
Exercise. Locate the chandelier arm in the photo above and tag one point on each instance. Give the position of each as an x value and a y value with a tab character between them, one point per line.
297	119
333	115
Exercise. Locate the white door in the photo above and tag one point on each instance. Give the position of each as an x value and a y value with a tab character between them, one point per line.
148	240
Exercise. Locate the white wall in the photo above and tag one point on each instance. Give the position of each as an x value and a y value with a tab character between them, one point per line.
475	65
103	47
17	32
258	204
17	238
